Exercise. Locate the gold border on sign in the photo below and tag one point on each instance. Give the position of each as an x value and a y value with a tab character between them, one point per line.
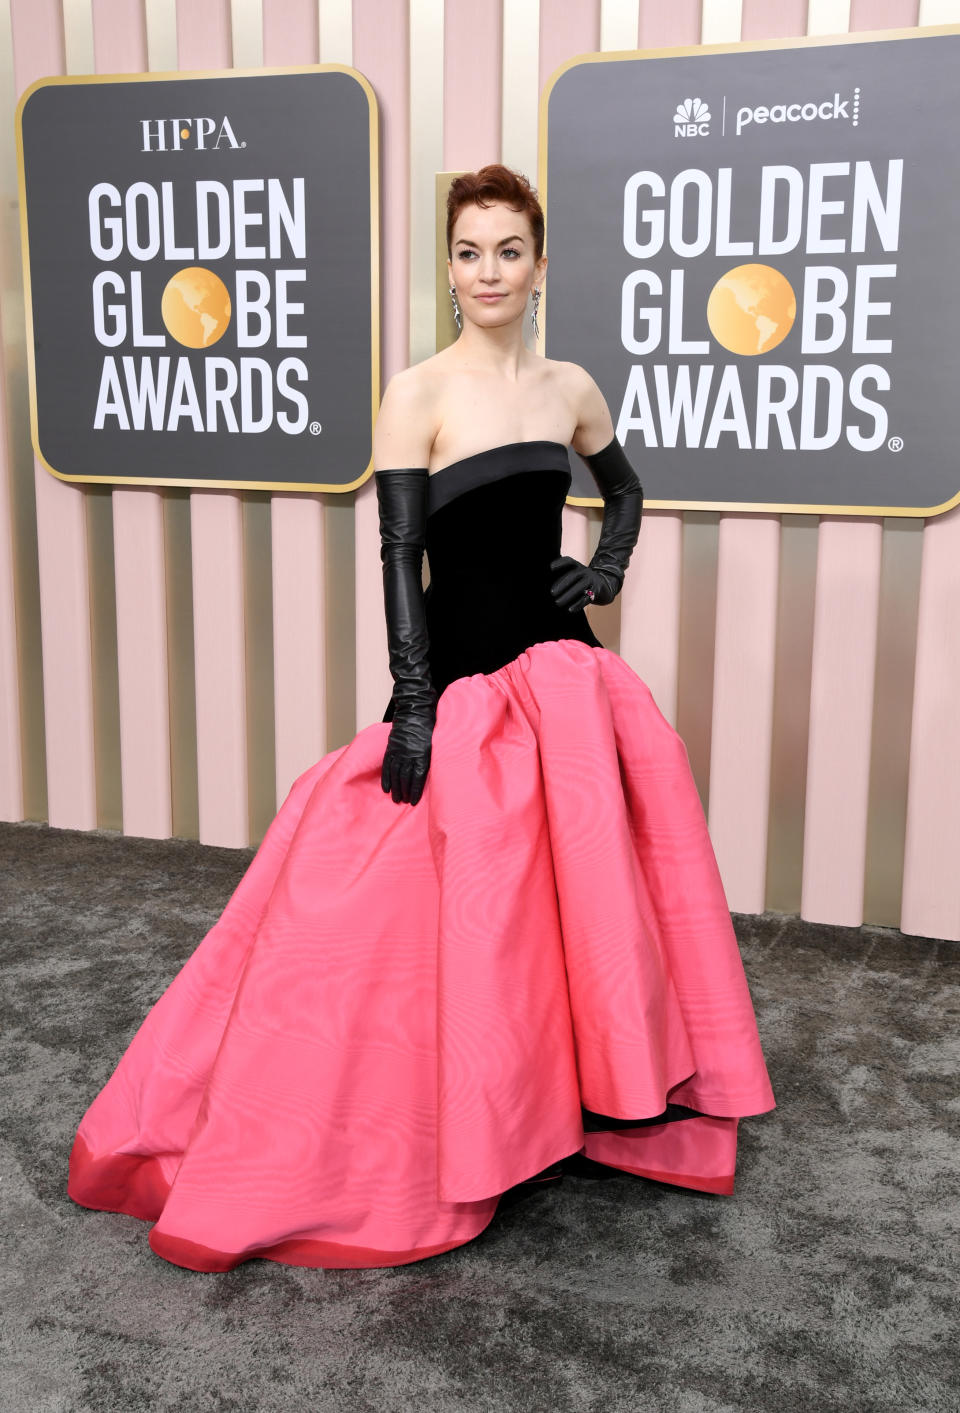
166	76
698	50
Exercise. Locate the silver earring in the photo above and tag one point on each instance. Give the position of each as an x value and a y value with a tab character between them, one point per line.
456	309
536	309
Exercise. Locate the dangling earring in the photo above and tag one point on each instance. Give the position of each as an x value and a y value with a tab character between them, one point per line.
535	311
456	309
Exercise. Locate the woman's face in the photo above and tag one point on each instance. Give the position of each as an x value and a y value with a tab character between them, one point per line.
492	255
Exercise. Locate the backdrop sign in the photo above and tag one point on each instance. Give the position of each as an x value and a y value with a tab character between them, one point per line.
200	257
752	250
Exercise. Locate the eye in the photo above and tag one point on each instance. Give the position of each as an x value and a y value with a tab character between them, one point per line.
466	254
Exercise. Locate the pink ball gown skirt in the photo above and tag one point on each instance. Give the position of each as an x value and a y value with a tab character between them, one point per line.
405	1009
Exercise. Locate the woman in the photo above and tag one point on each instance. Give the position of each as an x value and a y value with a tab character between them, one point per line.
487	934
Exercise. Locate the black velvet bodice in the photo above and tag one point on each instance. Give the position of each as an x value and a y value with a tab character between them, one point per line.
493	526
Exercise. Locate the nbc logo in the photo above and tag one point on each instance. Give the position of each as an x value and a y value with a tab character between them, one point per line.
692	119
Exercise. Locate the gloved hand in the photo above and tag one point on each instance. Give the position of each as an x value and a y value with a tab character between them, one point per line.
580	584
601	580
402	501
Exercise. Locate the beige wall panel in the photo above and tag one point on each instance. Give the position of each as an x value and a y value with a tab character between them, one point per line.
791	711
103	640
183	684
520	84
892	712
161	20
698	614
619	24
246	31
258	642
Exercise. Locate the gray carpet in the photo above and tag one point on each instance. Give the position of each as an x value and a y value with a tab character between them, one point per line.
829	1281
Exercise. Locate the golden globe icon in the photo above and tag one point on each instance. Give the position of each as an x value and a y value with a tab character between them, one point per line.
196	307
751	309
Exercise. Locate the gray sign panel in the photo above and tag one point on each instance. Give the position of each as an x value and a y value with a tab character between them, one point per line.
200	257
752	251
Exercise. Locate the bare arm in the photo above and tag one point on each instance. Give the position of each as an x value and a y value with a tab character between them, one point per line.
404	431
594	428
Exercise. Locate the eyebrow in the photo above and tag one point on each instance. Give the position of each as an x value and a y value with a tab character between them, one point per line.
506	240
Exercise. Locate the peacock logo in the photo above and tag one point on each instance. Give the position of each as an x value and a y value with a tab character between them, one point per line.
692	118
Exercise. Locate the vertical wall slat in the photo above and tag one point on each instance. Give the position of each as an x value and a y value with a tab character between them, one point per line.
791	711
11	773
381	51
472	94
843	673
892	710
882	14
291	33
565	30
246	41
665	26
939	12
619	22
120	46
748	562
12	764
426	29
142	662
841	719
299	632
98	505
161	23
650	602
78	36
336	31
931	873
297	522
931	878
340	521
828	16
17	473
472	106
721	21
216	523
650	608
521	82
38	50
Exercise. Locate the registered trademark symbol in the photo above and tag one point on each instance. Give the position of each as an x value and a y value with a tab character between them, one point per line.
895	443
314	428
243	144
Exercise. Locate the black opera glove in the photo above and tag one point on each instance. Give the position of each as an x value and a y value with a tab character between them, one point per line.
622	512
402	499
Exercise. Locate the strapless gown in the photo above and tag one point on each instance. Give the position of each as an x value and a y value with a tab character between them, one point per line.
406	1010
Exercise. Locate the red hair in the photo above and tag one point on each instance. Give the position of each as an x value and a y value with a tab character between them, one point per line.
490	184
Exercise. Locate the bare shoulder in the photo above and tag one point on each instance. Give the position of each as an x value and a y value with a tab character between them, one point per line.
573	381
406	422
594	425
